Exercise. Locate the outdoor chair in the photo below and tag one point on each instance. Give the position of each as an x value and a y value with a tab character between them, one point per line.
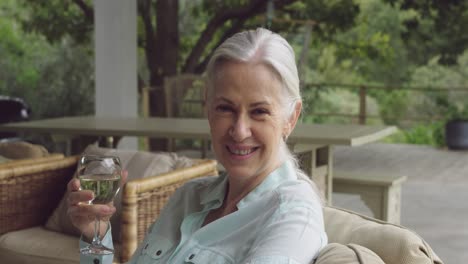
31	204
30	192
185	98
355	238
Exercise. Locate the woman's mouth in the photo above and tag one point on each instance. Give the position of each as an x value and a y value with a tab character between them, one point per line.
241	151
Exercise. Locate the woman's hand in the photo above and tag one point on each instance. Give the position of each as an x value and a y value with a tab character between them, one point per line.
82	214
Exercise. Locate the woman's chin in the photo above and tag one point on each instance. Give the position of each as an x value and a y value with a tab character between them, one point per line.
237	170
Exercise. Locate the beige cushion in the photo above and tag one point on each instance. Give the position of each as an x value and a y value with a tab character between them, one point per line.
22	150
39	246
392	243
3	159
350	254
138	164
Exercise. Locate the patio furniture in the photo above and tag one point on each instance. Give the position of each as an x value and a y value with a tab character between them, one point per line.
380	192
308	135
354	238
17	150
317	161
31	194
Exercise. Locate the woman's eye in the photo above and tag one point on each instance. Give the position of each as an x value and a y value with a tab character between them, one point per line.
223	108
260	111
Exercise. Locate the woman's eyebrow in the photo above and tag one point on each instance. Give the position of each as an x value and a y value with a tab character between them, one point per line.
261	103
255	104
221	98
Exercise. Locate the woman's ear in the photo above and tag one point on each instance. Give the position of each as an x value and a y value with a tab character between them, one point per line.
293	118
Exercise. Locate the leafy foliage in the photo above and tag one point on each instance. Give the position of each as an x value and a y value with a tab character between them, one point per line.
68	77
432	134
54	79
46	53
332	16
55	19
447	104
437	30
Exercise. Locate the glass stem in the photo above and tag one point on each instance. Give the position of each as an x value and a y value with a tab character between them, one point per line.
97	232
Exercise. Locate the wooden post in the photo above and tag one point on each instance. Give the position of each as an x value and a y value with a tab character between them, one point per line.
362	105
115	52
145	94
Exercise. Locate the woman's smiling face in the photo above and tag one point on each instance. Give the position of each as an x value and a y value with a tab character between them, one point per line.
246	119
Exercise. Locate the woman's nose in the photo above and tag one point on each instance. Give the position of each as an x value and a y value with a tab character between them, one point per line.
240	129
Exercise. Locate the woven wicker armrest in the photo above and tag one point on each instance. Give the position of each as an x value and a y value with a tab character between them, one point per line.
31	189
24	162
143	199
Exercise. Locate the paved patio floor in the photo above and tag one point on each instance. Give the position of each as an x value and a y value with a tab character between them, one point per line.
434	199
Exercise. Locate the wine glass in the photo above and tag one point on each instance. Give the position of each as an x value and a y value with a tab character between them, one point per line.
100	174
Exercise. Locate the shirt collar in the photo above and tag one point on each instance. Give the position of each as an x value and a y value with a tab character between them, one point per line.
282	174
214	196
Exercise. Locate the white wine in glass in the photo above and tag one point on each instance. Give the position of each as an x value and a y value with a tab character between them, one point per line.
101	175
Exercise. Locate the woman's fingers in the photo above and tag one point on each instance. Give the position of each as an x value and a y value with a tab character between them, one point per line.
101	210
77	202
77	197
73	185
78	208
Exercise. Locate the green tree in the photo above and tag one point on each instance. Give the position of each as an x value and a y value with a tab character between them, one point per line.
66	83
160	34
16	74
45	75
375	45
369	52
443	104
438	29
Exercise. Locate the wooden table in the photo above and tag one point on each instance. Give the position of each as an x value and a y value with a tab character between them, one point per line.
313	142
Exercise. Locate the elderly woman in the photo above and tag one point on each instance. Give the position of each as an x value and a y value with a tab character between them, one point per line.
264	209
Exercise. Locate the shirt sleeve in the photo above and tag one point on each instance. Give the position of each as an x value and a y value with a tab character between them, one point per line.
95	259
296	234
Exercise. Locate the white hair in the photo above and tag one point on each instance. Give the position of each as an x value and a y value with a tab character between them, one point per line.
263	46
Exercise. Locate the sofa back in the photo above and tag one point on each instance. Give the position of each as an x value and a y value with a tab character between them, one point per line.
392	243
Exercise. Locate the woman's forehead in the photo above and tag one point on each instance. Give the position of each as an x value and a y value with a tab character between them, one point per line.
253	82
227	67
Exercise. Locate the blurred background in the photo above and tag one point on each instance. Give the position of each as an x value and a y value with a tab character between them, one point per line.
401	63
391	62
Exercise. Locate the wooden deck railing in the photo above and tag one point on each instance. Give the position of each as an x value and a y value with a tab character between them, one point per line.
363	90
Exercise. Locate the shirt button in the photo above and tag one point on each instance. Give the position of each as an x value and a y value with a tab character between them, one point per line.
96	261
158	252
191	256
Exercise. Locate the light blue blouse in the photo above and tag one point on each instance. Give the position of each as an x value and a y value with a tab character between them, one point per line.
280	221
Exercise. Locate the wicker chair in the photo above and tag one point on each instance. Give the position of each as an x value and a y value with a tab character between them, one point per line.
23	184
31	189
